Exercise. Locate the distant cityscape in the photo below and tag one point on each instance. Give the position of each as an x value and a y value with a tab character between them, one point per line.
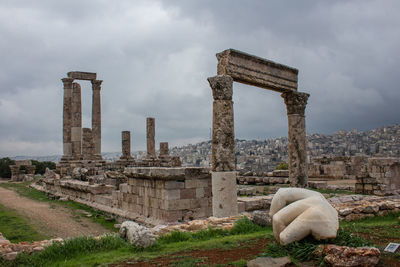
264	155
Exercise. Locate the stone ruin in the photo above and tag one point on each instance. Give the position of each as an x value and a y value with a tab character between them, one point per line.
22	171
339	167
156	189
240	67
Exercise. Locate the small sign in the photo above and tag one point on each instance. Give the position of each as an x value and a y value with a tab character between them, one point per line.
392	247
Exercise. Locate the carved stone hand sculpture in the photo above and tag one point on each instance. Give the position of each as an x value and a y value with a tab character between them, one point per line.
298	212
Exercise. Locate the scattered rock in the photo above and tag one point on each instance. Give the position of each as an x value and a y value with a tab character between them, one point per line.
63	199
11	256
338	256
269	261
136	234
261	218
117	225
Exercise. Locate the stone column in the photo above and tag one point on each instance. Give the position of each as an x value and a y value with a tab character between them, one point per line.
297	142
87	144
126	145
223	174
96	117
67	118
164	151
76	129
150	136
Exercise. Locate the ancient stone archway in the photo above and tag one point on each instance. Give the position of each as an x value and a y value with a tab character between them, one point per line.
240	67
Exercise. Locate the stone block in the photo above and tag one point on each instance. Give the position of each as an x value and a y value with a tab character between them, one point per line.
188	193
174	185
257	71
80	75
200	192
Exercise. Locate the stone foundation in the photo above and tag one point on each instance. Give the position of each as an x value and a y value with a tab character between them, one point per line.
151	195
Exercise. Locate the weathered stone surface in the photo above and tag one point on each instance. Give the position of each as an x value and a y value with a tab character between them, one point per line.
261	218
224	201
298	212
223	140
76	127
221	86
126	144
297	142
136	234
257	71
164	151
80	75
270	262
96	117
49	174
88	146
67	117
339	256
150	137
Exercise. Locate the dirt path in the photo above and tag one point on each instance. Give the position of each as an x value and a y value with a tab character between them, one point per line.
52	220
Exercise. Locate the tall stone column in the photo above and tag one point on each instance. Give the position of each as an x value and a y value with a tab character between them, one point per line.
297	143
150	136
87	144
67	118
96	117
126	145
76	129
223	174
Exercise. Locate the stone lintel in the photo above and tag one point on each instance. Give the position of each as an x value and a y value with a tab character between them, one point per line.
80	75
256	71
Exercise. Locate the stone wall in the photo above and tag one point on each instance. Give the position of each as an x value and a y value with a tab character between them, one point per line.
151	195
336	167
381	177
166	194
23	170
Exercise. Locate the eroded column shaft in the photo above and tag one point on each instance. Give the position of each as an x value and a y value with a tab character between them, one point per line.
223	176
297	141
96	117
76	129
150	137
126	144
67	117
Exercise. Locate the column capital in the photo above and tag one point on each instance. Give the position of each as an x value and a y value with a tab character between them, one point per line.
67	81
221	86
96	84
296	102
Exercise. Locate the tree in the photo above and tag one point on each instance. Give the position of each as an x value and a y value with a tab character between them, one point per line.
5	171
42	165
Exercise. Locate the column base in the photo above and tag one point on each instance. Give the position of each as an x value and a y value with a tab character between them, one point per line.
224	200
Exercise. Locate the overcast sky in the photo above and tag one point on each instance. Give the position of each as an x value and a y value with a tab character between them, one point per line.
154	58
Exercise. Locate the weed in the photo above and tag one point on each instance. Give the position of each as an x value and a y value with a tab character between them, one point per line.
244	225
187	261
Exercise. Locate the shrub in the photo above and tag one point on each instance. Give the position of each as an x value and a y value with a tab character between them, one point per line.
282	166
5	171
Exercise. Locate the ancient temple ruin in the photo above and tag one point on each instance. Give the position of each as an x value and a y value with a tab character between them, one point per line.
73	140
240	67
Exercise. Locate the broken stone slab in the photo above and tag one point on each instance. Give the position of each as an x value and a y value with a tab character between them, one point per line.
346	256
270	262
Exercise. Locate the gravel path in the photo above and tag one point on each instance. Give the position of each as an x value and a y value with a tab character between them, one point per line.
52	220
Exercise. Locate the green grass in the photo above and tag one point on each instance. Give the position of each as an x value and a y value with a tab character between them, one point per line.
24	190
16	228
88	251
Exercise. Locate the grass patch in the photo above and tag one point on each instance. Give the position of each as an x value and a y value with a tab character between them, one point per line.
89	251
24	190
332	193
16	228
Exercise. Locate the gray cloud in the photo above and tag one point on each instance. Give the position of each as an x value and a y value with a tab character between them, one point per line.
155	56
